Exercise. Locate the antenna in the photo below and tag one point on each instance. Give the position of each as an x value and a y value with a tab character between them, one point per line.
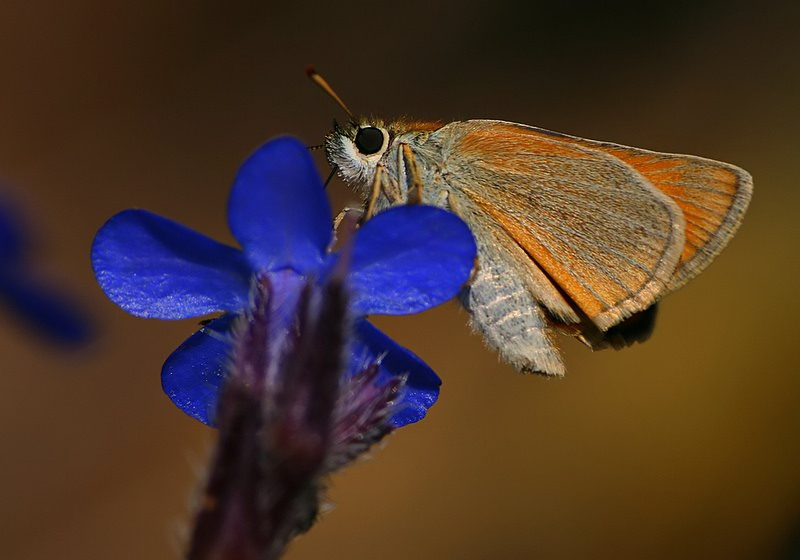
320	81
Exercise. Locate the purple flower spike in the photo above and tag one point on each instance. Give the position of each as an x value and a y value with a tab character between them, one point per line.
287	418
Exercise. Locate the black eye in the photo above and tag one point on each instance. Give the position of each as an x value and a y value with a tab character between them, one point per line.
369	140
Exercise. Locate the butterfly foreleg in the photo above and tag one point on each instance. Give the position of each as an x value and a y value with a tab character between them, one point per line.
375	193
413	179
382	184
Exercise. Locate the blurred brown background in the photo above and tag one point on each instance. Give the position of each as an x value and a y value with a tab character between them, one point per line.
684	447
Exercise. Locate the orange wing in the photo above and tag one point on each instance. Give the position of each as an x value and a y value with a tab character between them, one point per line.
614	227
712	195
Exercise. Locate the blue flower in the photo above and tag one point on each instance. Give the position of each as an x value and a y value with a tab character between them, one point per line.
404	260
35	303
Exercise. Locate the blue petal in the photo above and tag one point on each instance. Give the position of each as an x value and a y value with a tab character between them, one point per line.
193	374
278	209
408	259
154	267
12	234
39	306
422	387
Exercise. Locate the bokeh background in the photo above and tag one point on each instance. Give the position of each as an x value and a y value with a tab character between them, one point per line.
684	447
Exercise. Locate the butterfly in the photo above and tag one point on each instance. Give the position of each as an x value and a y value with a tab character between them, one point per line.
574	235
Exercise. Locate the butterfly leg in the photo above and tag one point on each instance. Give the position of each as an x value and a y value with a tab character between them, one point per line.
389	188
408	162
347	211
382	183
369	209
512	322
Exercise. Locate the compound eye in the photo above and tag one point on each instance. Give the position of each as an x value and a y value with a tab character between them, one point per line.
369	140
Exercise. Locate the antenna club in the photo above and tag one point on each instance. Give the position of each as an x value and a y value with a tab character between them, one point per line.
320	81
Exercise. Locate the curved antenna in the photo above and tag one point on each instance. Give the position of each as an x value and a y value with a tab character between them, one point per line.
320	81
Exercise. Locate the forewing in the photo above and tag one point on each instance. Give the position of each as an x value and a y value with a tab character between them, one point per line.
712	196
591	222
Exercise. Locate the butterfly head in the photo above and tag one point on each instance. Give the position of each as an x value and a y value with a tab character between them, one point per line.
355	150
